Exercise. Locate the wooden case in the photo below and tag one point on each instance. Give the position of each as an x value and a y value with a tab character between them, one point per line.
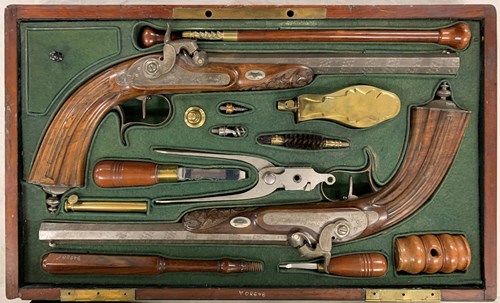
21	222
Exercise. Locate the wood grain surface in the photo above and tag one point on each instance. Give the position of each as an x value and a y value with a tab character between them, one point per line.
485	13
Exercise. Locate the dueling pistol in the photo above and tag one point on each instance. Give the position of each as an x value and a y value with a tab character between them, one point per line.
61	159
435	134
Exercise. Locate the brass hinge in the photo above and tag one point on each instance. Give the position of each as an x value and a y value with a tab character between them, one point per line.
402	295
100	295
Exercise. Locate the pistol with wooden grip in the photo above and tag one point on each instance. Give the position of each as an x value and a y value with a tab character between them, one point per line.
436	131
60	161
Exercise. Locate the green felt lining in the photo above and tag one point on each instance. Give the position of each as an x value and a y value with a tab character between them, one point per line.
454	208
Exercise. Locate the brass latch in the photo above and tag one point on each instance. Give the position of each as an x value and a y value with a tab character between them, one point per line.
402	295
98	295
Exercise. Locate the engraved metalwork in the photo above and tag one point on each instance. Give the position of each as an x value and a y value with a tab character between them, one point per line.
204	35
349	222
334	63
58	232
135	76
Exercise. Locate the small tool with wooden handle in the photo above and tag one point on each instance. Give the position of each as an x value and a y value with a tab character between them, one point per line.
94	264
134	173
356	265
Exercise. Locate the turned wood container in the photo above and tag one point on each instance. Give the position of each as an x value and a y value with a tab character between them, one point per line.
430	253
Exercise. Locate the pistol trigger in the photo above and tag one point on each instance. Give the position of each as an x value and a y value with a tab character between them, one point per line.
350	195
144	102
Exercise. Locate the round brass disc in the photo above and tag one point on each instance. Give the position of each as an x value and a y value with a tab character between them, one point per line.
194	117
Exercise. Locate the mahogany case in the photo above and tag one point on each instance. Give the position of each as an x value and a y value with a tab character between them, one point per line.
91	39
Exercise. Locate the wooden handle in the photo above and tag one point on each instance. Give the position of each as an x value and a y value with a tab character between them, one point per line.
62	263
358	265
95	264
150	37
125	173
60	161
456	36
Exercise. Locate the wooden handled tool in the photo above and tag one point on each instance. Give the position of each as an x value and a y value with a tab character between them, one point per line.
134	173
95	264
356	265
456	36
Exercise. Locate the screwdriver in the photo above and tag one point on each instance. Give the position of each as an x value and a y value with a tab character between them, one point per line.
355	265
110	173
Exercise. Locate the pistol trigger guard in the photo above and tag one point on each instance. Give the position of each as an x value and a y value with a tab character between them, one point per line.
144	100
367	169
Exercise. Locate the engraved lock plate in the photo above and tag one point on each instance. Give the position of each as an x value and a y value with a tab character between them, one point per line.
147	72
356	221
